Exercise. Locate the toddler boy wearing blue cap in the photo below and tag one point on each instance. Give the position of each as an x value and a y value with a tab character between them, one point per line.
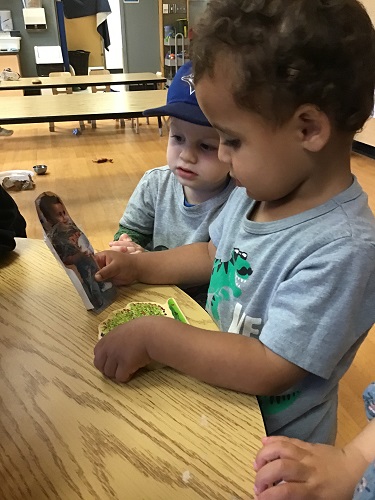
174	205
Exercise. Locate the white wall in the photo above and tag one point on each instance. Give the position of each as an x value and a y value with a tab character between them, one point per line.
49	36
367	136
113	56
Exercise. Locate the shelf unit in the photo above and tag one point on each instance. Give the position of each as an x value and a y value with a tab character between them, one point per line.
176	45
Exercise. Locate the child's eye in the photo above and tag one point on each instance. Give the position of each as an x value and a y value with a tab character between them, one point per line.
208	147
232	143
177	138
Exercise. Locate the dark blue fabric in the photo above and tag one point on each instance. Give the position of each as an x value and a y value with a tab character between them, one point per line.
64	46
102	29
83	8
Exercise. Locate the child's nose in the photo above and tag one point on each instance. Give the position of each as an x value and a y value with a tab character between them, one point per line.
224	154
188	155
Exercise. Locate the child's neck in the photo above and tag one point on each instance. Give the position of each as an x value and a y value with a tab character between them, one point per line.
195	197
330	175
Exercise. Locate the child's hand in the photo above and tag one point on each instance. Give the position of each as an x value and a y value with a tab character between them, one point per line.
120	353
116	267
126	244
290	469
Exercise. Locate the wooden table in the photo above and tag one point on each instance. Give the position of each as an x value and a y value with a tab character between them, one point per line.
69	433
89	80
86	106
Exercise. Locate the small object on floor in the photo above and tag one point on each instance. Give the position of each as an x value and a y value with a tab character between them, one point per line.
40	169
4	132
76	131
103	160
11	184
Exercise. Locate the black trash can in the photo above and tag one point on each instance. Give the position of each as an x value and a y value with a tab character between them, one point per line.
79	59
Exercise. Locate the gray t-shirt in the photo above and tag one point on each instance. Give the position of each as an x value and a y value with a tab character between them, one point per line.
305	287
156	207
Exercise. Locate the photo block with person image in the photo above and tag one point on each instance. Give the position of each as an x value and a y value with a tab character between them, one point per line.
73	250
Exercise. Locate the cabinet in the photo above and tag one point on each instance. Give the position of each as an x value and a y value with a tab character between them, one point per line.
174	41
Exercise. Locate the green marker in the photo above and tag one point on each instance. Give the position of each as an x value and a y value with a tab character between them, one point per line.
176	311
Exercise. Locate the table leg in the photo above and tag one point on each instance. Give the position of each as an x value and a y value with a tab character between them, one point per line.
160	125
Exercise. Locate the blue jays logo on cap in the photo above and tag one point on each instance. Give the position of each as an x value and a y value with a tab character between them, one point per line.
190	80
181	100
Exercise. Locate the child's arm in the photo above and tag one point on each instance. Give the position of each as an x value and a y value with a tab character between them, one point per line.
188	265
290	469
137	221
223	359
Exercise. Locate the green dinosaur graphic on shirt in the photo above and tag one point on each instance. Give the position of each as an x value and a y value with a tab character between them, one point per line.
228	276
270	405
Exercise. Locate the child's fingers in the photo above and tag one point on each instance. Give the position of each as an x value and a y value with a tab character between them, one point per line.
109	266
273	474
101	258
286	491
110	367
279	449
135	249
125	237
283	439
122	246
100	357
122	243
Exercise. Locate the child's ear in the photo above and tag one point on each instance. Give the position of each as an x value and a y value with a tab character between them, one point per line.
314	127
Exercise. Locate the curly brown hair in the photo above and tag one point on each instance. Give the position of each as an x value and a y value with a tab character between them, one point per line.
287	53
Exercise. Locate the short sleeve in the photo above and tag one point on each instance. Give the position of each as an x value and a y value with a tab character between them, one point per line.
139	214
323	307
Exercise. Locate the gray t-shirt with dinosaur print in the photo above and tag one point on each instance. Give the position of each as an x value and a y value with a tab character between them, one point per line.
305	287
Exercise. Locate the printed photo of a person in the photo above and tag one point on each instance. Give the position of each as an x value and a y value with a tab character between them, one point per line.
52	211
74	251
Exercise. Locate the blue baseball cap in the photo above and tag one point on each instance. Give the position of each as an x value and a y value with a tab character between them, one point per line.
181	100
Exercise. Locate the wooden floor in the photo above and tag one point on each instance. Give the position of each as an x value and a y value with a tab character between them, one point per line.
96	195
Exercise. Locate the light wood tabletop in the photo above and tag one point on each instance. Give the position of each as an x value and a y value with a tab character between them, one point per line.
89	80
87	106
69	433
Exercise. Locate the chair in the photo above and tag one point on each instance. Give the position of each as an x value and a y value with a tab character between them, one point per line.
107	88
102	88
62	90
